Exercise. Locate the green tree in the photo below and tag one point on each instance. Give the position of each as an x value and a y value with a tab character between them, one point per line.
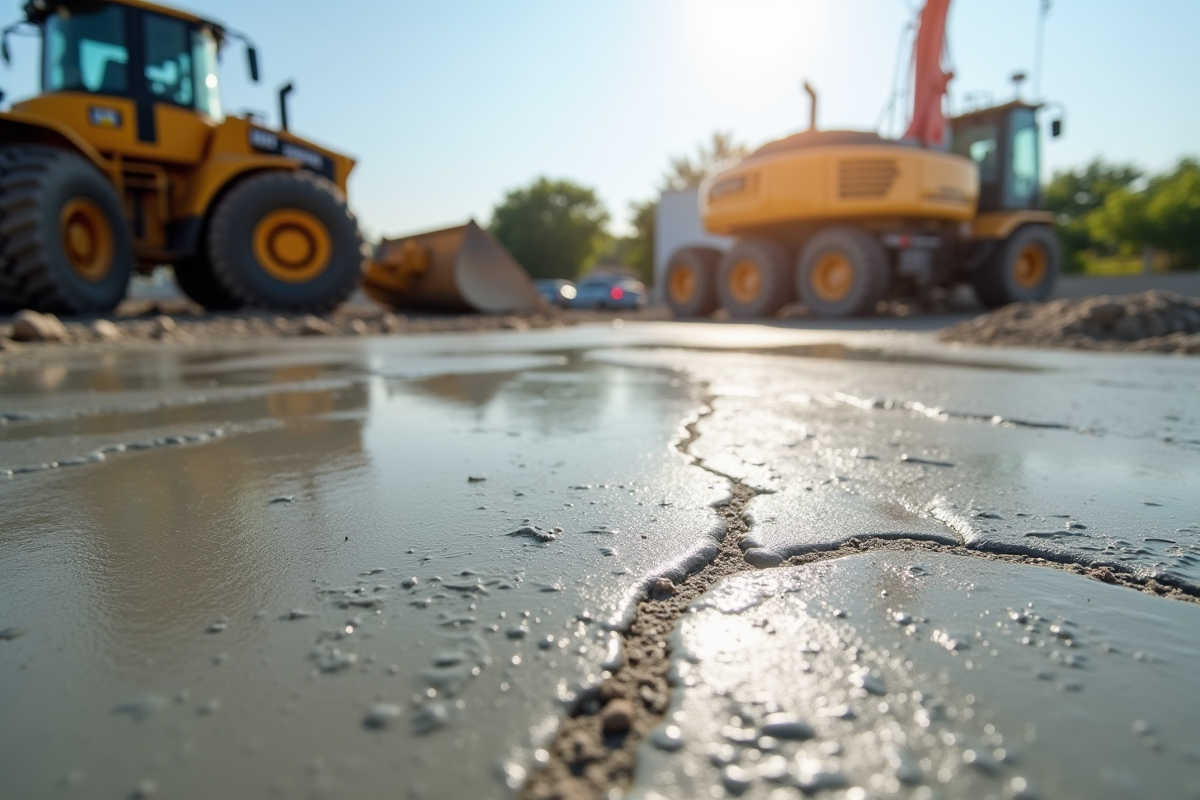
554	228
1165	215
1074	196
640	255
686	172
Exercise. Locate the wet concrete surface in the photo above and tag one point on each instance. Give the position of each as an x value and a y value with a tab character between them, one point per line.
387	567
928	675
1077	459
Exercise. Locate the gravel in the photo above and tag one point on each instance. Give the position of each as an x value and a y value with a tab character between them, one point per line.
1156	321
172	321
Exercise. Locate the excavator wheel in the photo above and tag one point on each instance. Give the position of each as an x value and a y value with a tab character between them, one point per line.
753	280
1024	268
691	282
285	240
64	243
842	272
195	279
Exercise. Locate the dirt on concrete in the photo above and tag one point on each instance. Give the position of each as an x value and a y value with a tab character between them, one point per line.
1155	321
182	322
595	747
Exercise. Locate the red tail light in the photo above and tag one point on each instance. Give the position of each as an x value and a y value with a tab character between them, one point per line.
617	293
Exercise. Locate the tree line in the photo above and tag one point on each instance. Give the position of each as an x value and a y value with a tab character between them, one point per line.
1105	210
557	228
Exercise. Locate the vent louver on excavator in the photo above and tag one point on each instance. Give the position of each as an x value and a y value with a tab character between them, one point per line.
866	178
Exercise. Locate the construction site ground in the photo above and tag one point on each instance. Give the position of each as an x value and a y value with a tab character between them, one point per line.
583	558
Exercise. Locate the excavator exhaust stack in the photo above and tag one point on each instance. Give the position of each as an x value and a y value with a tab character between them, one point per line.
455	270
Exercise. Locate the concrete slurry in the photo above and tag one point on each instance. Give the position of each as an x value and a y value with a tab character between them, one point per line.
379	567
928	675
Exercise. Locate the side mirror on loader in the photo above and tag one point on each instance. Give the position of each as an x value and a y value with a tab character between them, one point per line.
252	63
1055	128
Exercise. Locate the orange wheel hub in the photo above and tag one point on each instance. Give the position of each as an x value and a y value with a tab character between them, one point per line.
292	245
1030	267
745	281
833	277
682	285
87	239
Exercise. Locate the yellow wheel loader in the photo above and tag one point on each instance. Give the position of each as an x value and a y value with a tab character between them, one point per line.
840	220
125	161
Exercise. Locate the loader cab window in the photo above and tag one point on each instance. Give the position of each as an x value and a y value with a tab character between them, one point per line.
85	51
168	72
204	59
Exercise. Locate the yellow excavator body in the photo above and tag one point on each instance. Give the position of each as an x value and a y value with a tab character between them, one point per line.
845	221
842	221
838	181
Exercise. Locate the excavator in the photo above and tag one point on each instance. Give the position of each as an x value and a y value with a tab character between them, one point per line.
126	161
844	220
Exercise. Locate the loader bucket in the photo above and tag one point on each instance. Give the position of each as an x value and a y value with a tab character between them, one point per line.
456	270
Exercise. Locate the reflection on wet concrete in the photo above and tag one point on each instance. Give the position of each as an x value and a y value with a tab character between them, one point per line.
325	599
224	617
921	675
1056	463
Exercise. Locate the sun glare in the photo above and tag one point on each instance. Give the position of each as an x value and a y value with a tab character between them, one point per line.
747	34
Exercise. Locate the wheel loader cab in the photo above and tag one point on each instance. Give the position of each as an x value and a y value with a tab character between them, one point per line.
143	81
125	159
1003	142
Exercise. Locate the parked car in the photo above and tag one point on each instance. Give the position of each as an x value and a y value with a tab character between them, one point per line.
555	291
609	291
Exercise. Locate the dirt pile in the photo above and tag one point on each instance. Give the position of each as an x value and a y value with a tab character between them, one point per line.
1155	322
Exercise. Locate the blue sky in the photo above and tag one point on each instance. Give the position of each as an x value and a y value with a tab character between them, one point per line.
448	104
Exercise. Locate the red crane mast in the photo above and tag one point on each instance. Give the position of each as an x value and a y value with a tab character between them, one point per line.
928	125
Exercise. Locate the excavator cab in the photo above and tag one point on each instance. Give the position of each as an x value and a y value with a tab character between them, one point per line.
1004	143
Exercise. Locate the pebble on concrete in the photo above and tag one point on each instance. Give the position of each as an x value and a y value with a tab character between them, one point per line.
105	330
315	326
617	717
31	326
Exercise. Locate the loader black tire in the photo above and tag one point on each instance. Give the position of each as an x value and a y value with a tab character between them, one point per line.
65	246
842	272
753	279
287	241
691	282
195	278
1024	268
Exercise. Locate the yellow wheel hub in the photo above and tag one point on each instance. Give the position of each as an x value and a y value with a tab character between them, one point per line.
745	281
1030	267
292	245
682	284
87	239
833	277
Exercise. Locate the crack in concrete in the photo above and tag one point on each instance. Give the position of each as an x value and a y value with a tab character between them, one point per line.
594	750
